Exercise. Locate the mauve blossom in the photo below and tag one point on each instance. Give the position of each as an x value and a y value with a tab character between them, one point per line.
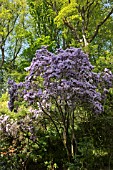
67	76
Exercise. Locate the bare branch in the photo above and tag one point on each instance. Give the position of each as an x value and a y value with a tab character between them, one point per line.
53	5
16	50
90	4
9	30
73	30
47	114
13	24
99	25
3	56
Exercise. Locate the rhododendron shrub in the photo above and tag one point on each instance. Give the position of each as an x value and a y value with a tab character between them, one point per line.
57	84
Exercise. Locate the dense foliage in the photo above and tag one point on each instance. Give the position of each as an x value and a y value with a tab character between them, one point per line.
59	110
56	86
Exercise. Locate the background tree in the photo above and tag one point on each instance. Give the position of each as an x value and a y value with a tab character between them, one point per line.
80	24
84	19
12	25
12	36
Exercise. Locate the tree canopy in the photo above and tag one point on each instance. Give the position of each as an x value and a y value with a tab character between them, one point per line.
56	84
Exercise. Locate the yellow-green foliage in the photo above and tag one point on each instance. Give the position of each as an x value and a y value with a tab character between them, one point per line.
68	12
9	11
22	110
3	104
105	61
3	108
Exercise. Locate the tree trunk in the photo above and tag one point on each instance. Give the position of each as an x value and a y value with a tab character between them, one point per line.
3	56
73	139
66	145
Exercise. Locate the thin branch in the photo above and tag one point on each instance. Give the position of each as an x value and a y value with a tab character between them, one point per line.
90	4
99	25
73	30
4	40
3	56
53	5
61	112
16	50
10	30
46	113
85	12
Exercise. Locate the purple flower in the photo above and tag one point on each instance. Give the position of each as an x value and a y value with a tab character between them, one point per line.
66	76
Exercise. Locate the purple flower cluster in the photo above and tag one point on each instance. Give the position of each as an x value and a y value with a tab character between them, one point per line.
12	90
63	77
13	128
